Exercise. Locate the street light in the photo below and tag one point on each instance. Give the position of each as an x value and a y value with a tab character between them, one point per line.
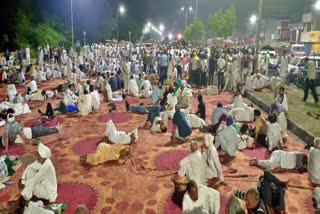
182	8
122	11
317	5
179	36
253	19
161	27
170	36
71	2
190	9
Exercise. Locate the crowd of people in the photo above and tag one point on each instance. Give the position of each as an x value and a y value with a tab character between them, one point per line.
171	77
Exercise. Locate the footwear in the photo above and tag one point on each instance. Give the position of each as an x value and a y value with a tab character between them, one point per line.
39	111
58	127
114	107
127	106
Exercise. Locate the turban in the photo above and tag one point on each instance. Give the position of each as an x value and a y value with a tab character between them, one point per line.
171	84
182	86
316	196
44	151
229	121
279	107
208	140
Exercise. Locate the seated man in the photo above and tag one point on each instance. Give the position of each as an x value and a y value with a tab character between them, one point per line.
274	133
283	160
156	94
11	132
261	128
313	164
201	112
106	152
39	178
183	97
200	199
85	103
95	99
239	110
214	164
133	88
194	166
114	136
69	97
259	82
64	109
181	128
146	87
228	138
219	114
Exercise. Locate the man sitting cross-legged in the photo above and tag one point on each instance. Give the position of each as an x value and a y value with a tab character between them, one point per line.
106	152
114	136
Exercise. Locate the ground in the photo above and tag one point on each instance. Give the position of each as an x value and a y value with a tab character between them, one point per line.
298	109
110	188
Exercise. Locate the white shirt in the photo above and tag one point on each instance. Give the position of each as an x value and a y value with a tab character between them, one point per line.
314	166
229	140
208	202
274	135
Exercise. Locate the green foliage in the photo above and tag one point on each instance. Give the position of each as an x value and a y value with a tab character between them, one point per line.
194	31
222	23
34	34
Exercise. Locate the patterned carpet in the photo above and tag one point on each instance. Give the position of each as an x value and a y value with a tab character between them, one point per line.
110	188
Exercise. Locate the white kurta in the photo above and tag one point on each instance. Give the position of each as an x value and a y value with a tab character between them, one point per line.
194	121
40	180
242	114
274	136
229	140
147	88
282	121
69	98
133	88
85	104
95	100
12	92
314	166
33	86
279	158
36	207
116	136
193	167
18	108
208	202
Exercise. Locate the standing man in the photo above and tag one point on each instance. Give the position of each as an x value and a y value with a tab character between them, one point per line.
20	54
310	81
204	70
163	67
221	64
284	66
212	68
195	74
28	55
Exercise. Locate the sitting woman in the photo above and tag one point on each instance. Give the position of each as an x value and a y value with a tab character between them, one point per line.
106	152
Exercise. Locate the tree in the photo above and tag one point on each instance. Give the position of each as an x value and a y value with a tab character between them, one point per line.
194	31
222	23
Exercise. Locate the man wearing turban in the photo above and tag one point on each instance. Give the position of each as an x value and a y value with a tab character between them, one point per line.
39	178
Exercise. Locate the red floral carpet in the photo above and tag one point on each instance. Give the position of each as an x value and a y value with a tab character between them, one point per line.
110	188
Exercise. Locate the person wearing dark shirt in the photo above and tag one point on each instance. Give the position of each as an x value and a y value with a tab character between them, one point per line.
119	82
113	83
181	128
201	108
212	68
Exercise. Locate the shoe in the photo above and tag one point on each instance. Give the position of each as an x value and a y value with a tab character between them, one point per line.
127	106
39	111
114	107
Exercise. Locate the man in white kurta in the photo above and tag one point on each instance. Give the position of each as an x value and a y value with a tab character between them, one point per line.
39	178
274	137
313	164
133	88
284	66
95	99
194	166
200	199
146	88
195	122
12	92
69	97
116	136
228	138
28	55
85	104
284	160
212	156
239	110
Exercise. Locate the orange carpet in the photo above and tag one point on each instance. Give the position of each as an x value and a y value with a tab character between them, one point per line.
110	188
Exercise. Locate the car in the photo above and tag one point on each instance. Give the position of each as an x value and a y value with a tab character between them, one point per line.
298	50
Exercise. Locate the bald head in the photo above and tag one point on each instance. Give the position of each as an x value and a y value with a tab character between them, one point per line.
81	209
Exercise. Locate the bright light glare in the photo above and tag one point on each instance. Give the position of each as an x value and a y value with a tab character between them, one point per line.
179	36
182	8
149	24
170	36
161	27
190	9
122	10
317	5
253	19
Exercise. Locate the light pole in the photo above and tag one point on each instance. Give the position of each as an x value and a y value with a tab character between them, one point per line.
121	10
71	2
258	31
197	8
186	10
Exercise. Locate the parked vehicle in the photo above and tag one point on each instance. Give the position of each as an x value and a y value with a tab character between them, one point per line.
298	50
